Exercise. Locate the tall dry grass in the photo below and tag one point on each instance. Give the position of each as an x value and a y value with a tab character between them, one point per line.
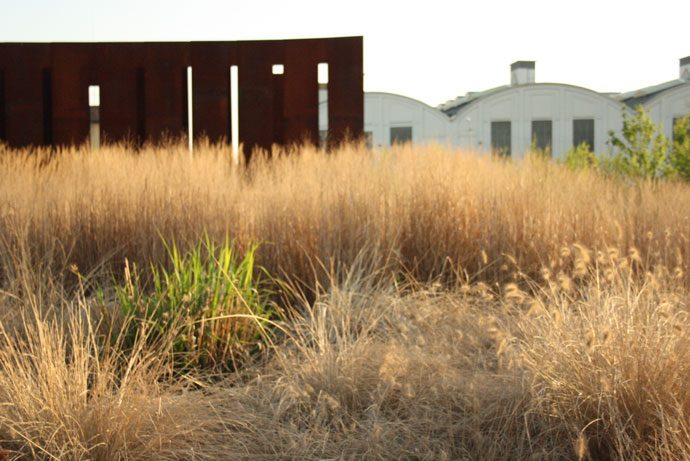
376	370
435	209
70	390
454	307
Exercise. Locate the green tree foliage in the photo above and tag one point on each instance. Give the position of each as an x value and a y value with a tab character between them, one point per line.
580	157
679	156
642	151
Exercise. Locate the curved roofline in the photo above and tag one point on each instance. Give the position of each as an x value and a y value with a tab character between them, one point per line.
528	85
670	91
386	93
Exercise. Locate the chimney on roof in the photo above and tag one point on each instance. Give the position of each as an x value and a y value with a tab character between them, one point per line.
685	68
521	72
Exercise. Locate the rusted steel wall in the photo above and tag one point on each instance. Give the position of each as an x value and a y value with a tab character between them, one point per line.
143	87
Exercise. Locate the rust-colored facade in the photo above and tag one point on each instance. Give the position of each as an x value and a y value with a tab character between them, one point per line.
143	90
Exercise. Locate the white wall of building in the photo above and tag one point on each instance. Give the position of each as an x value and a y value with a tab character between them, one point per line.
383	111
668	105
522	104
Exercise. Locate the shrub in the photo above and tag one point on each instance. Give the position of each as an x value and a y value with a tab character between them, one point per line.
211	299
642	151
679	157
580	157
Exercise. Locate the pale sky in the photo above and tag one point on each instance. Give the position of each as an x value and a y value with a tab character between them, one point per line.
428	50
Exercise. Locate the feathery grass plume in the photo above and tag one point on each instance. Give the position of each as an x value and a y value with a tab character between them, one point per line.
454	206
67	392
398	341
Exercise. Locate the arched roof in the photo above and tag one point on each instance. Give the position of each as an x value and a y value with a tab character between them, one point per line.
507	89
407	99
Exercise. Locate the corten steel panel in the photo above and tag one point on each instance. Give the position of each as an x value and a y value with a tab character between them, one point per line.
72	72
345	89
164	90
255	60
301	101
211	63
23	66
117	65
143	90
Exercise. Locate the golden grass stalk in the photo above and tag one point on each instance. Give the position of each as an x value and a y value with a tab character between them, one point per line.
438	210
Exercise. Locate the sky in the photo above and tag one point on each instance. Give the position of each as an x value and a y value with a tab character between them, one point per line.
429	50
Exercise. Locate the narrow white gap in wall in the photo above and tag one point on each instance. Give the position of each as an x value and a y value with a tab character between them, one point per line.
322	78
190	113
94	116
235	114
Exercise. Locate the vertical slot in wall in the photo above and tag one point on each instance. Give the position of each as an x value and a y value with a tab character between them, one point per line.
190	112
141	106
47	83
235	113
322	77
278	71
95	116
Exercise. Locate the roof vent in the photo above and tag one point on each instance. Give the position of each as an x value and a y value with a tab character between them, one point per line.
522	72
685	68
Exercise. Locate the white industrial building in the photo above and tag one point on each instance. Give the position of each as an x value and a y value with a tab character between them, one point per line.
512	118
666	102
391	118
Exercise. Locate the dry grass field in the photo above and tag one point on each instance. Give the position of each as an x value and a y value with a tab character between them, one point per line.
428	304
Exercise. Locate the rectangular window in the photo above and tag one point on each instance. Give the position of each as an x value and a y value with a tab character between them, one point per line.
541	135
583	132
500	138
401	134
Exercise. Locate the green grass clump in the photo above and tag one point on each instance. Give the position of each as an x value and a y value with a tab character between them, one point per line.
209	296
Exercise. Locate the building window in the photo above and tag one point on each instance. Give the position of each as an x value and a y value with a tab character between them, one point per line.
401	134
541	135
583	132
500	138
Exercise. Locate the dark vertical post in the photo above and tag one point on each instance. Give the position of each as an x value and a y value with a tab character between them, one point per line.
47	107
70	73
3	135
24	64
184	114
141	106
301	102
345	89
256	95
165	90
211	98
117	77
